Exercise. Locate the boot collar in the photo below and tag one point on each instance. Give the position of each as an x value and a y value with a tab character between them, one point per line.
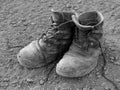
75	19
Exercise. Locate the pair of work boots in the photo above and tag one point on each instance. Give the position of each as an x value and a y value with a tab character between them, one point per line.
73	37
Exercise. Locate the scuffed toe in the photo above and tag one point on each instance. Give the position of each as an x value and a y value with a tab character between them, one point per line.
30	57
75	66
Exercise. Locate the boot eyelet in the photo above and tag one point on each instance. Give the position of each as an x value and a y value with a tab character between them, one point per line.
91	44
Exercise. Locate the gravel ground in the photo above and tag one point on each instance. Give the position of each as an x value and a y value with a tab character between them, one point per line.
22	21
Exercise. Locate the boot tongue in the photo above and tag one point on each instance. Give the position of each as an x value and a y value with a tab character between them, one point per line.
56	18
60	17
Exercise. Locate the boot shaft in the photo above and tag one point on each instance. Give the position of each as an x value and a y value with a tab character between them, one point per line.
88	20
89	29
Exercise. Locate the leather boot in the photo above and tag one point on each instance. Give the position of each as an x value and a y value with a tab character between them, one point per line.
50	45
84	52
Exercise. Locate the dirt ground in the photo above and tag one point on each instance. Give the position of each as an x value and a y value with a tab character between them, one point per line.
22	21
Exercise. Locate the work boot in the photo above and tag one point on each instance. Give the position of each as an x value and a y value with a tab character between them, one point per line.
82	56
50	45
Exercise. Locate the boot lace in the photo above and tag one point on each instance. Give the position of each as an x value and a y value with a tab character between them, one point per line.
50	36
47	39
52	31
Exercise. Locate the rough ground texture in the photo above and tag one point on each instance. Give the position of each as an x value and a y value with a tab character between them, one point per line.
22	21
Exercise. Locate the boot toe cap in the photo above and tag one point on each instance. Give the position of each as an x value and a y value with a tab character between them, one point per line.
29	56
73	67
65	71
25	62
69	71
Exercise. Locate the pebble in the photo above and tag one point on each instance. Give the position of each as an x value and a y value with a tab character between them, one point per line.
30	80
106	87
117	80
68	5
76	7
98	75
112	58
33	23
57	88
53	83
41	81
23	19
6	80
14	84
85	88
106	72
79	1
117	63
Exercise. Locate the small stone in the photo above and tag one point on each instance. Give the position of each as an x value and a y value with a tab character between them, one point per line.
117	63
117	80
6	80
57	88
98	75
30	80
103	84
41	82
76	7
112	58
106	72
106	87
85	88
33	23
79	1
68	5
14	84
23	19
53	83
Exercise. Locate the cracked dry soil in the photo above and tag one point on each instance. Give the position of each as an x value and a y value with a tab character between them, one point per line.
22	21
